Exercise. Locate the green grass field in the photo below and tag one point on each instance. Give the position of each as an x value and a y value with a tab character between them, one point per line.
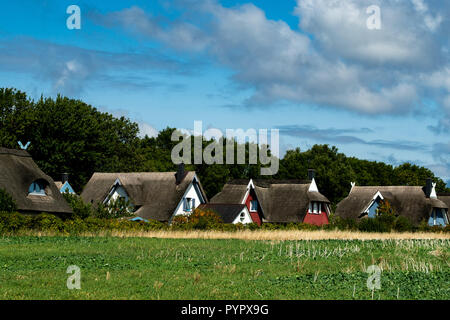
150	268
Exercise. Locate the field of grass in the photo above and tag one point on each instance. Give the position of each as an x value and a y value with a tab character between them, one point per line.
34	267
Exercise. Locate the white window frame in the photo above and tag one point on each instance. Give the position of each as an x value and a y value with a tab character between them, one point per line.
189	204
252	208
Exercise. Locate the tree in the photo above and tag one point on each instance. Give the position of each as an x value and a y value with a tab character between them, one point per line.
7	203
69	135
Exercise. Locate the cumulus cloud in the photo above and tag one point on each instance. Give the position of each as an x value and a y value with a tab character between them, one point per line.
70	68
146	129
340	29
441	154
333	60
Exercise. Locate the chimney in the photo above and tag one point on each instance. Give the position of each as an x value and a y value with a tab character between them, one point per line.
64	178
180	173
428	187
311	174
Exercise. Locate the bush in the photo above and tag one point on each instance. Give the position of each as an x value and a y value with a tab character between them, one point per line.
11	222
117	208
403	224
373	225
200	219
336	222
47	222
7	203
80	209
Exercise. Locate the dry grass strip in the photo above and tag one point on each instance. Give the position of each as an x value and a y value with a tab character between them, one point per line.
261	235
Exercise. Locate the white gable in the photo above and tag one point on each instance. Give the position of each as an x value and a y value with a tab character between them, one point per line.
117	191
193	196
243	217
313	186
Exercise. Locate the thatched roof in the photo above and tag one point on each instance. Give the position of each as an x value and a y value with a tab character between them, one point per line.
156	194
17	172
281	200
228	212
58	184
407	201
444	197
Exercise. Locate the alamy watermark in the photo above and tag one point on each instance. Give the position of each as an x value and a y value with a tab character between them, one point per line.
74	20
214	152
374	279
373	22
74	280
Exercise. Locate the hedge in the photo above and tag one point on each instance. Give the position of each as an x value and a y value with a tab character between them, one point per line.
12	223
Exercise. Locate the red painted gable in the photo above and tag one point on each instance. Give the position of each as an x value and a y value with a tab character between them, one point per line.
256	216
316	219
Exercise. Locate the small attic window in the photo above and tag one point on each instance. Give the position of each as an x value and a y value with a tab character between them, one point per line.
37	188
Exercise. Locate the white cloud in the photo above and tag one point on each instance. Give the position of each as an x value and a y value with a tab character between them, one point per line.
342	64
146	129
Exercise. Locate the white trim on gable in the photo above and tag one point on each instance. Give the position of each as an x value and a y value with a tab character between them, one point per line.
375	197
353	184
113	189
250	184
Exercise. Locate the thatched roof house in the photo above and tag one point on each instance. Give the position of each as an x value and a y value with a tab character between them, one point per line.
229	213
32	190
413	202
278	201
155	195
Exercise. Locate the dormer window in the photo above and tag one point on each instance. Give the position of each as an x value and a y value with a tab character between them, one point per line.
315	208
37	188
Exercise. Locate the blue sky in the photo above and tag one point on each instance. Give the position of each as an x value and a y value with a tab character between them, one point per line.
310	68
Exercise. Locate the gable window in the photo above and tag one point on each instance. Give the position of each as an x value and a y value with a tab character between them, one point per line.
315	207
37	188
189	204
254	205
242	217
438	218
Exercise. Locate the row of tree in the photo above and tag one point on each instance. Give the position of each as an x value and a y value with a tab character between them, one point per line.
71	136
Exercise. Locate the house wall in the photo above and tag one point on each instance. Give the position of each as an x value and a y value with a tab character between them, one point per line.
256	216
317	219
247	217
373	209
191	192
119	192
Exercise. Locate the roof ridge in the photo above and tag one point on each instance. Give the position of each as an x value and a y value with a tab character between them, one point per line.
15	152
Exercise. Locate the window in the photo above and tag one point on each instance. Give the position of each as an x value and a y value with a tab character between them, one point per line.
189	204
315	208
242	216
37	188
254	205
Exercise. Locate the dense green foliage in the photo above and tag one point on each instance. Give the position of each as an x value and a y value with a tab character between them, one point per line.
16	223
7	203
68	135
117	208
150	268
